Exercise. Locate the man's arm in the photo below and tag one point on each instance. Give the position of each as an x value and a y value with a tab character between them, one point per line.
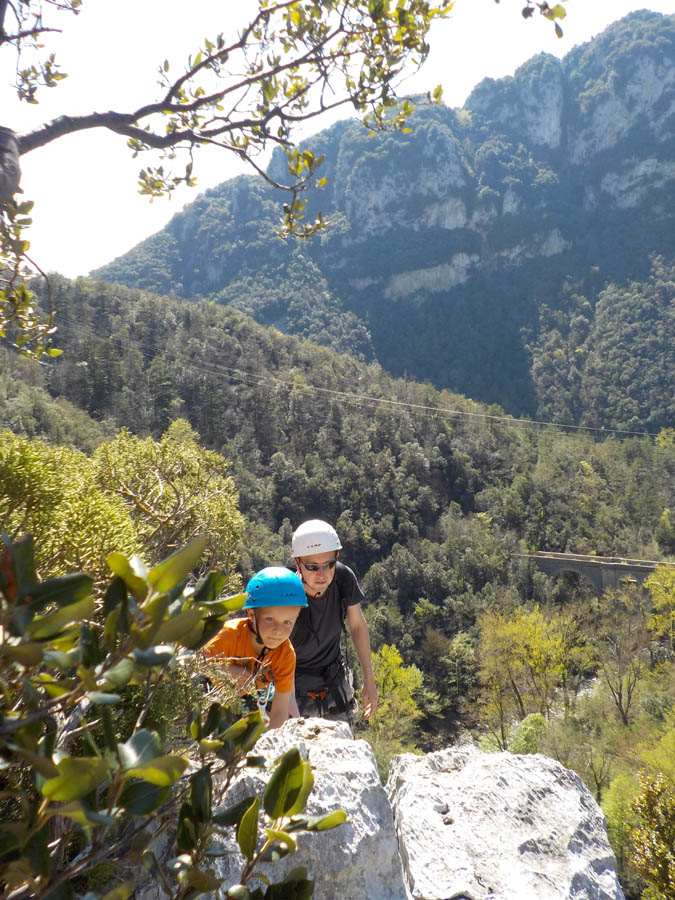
359	630
279	712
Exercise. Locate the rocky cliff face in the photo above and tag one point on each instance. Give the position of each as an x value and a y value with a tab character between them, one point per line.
455	824
445	242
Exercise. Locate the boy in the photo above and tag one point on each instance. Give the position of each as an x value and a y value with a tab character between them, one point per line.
257	647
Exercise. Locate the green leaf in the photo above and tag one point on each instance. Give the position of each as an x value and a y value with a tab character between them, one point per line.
186	831
238	892
122	567
120	674
178	626
140	798
141	747
178	566
120	892
208	589
52	623
283	838
40	763
115	594
108	730
324	823
28	655
60	591
102	698
77	777
208	746
80	814
201	794
150	863
232	815
289	787
247	830
58	659
158	655
162	771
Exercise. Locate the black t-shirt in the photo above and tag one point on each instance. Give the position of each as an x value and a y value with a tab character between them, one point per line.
316	634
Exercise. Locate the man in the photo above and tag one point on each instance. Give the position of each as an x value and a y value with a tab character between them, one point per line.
322	686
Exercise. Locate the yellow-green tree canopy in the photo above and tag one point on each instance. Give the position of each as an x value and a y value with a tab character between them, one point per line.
134	496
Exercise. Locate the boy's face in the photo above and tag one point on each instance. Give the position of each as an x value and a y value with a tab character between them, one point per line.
317	572
275	623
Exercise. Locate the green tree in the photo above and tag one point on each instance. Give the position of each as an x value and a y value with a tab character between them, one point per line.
53	493
136	495
522	656
617	806
661	587
621	637
393	727
653	836
173	490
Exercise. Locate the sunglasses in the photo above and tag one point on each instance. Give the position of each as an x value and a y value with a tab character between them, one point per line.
315	567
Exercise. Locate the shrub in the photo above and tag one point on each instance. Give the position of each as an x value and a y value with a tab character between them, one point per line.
84	804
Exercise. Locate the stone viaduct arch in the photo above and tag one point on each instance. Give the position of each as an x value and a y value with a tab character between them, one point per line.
602	571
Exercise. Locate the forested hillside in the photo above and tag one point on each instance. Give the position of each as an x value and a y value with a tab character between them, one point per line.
503	250
434	497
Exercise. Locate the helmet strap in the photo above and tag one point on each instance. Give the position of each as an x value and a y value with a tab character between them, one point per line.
253	626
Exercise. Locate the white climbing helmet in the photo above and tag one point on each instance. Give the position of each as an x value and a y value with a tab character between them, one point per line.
314	536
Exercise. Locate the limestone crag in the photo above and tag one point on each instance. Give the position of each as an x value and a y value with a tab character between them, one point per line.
359	859
458	824
499	827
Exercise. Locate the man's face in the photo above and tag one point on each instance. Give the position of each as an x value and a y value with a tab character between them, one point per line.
275	623
317	572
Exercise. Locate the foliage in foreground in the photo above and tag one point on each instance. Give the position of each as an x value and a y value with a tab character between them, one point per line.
83	807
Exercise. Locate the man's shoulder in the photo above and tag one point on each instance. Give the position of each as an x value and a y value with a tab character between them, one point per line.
344	575
347	585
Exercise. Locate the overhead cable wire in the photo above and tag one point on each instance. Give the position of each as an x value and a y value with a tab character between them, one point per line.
366	401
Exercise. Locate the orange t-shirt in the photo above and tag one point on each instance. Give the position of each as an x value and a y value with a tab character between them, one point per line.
234	644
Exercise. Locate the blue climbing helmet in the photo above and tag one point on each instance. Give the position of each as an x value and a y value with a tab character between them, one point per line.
275	586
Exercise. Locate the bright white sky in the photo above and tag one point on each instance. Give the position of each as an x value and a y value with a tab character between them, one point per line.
87	210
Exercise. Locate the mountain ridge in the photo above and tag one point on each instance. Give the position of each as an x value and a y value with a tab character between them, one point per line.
446	244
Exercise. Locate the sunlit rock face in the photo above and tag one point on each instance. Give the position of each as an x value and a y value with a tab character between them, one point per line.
355	861
457	823
640	98
494	826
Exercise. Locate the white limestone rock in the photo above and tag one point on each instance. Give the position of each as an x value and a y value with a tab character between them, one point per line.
637	178
435	279
480	826
357	860
642	98
379	196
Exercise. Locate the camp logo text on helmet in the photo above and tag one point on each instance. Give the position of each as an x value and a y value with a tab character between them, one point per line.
275	586
314	536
